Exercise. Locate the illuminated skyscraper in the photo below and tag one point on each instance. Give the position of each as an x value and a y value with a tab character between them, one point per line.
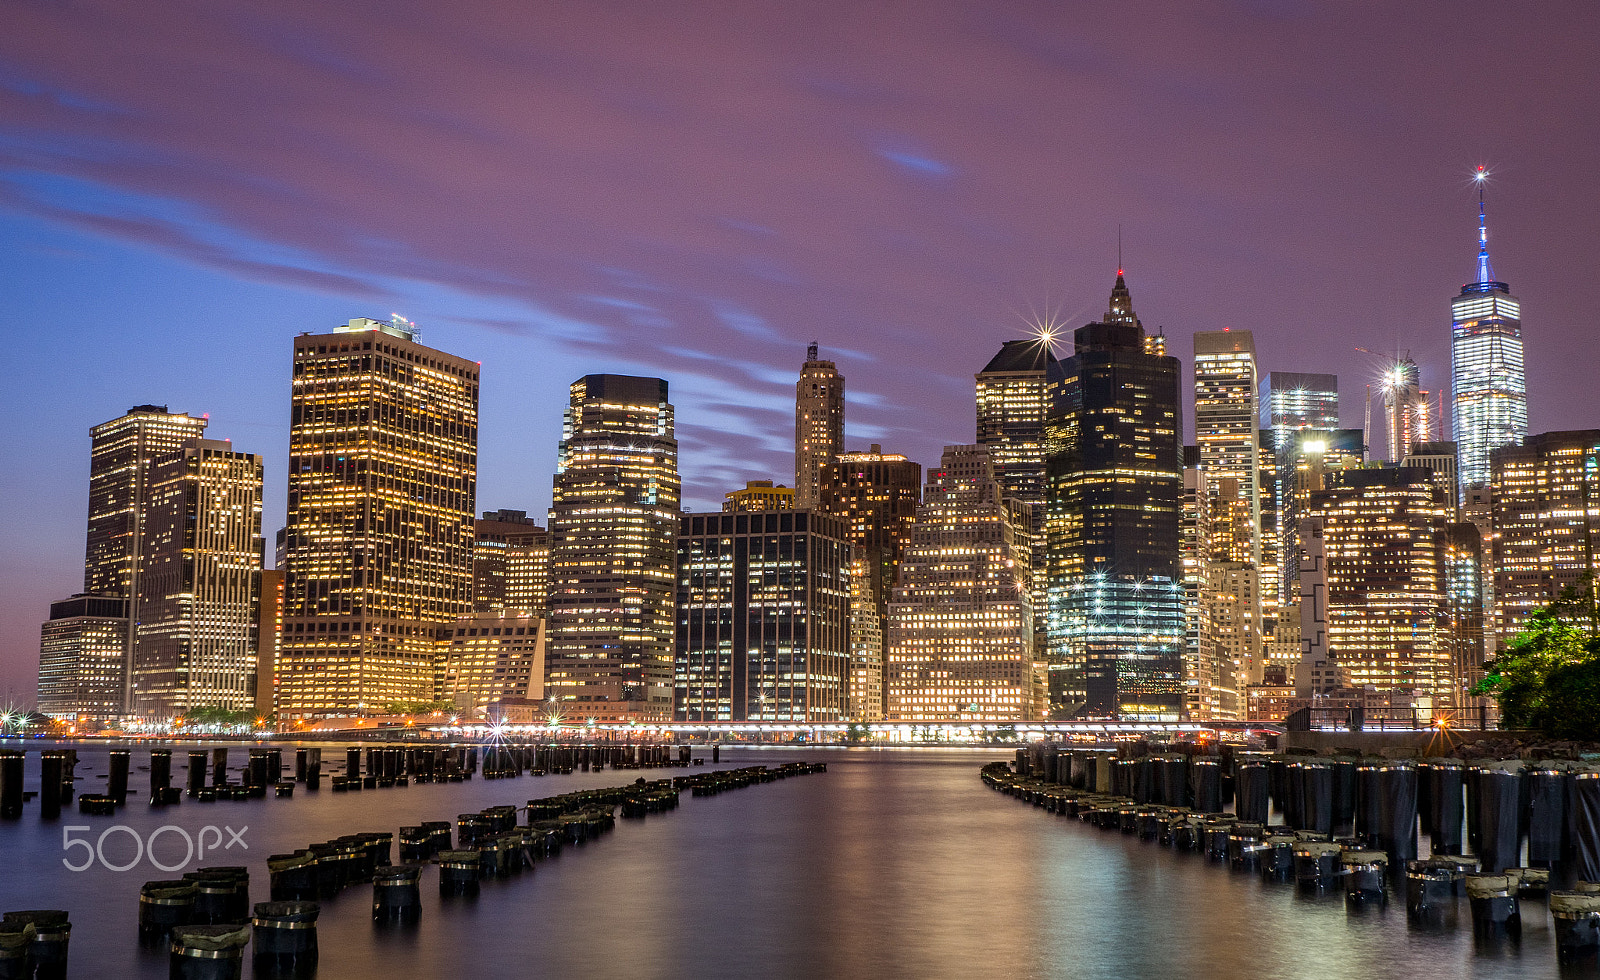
1115	472
120	456
1210	691
961	624
119	467
1012	402
1290	402
81	659
383	452
1490	394
1546	523
763	617
510	563
875	494
1383	537
613	552
1226	426
818	425
199	586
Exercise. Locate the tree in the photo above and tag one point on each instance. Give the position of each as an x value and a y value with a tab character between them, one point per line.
1548	679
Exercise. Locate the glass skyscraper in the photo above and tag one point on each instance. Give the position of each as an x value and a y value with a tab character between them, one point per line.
1490	392
1115	476
613	552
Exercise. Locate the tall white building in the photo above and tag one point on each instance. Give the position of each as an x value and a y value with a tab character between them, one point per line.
1490	392
1227	430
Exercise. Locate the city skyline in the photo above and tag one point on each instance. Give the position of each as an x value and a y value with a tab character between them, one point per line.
155	267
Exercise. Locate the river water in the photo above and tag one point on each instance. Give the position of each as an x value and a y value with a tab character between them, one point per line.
896	863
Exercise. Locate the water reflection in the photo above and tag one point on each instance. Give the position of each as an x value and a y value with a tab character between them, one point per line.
897	863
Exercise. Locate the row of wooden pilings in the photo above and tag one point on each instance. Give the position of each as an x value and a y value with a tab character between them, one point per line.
1352	829
208	774
206	916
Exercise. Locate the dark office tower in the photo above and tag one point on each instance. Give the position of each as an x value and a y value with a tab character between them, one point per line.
199	599
510	559
1012	398
818	425
875	494
960	631
613	552
1546	524
1490	393
383	455
1114	469
763	617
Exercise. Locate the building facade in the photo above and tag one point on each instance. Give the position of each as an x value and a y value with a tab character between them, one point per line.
818	425
758	495
510	562
490	658
875	494
763	617
1012	401
1489	391
1382	538
196	613
613	552
1115	461
383	453
1227	430
120	455
81	665
1546	520
960	636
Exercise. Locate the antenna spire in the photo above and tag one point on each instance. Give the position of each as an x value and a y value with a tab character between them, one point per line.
1485	270
1119	248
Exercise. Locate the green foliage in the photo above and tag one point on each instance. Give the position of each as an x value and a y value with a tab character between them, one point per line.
417	707
1548	679
215	714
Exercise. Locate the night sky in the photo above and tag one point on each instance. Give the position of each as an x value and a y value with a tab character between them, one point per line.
697	190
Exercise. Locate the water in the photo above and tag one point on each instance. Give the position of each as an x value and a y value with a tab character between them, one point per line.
895	863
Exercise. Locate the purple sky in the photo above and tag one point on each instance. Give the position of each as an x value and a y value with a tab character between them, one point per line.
697	190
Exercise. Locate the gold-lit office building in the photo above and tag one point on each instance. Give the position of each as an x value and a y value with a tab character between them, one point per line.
960	643
758	496
875	494
1546	530
383	441
199	586
120	455
490	658
510	562
1383	534
81	666
818	425
613	552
